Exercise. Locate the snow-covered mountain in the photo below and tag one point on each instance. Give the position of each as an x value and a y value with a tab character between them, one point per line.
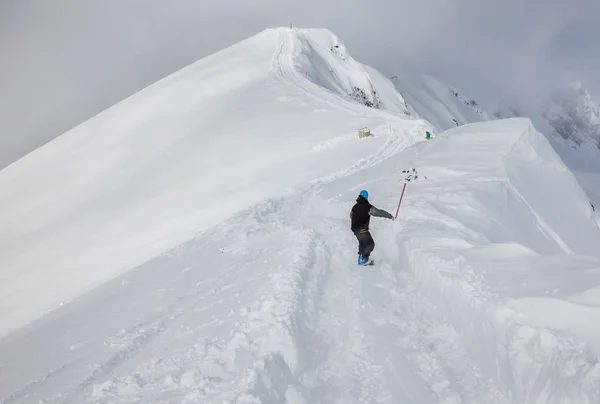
192	244
180	157
575	116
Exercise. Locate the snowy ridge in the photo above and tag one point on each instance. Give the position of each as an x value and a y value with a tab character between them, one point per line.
133	181
318	57
480	270
570	119
534	170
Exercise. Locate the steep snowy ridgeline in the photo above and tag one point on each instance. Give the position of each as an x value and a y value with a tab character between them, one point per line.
324	60
585	164
431	99
570	119
174	160
481	293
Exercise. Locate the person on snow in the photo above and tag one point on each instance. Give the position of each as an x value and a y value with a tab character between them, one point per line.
360	215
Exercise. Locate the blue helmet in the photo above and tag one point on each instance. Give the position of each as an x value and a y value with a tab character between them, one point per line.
364	194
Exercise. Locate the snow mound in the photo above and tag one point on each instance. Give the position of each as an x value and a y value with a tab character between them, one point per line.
172	161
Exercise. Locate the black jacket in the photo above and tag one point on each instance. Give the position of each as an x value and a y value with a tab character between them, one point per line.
361	213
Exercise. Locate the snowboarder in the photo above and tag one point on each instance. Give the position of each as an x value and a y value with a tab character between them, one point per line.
360	215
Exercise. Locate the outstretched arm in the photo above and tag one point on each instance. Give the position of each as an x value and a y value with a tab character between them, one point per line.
380	213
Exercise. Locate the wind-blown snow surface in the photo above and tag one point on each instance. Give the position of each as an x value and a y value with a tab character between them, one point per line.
486	291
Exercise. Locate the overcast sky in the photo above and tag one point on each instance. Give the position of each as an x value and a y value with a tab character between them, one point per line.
62	61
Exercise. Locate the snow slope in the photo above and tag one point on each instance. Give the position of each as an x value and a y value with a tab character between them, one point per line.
484	292
502	241
246	288
330	66
176	159
433	100
570	119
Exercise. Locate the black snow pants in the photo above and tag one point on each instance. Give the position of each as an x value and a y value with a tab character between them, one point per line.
365	243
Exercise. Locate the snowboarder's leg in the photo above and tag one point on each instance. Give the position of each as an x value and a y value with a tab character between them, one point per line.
365	244
368	245
357	235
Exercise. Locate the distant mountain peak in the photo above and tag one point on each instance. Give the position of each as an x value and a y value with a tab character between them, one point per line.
574	115
569	113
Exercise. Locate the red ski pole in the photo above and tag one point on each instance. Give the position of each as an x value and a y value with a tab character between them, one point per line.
401	196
